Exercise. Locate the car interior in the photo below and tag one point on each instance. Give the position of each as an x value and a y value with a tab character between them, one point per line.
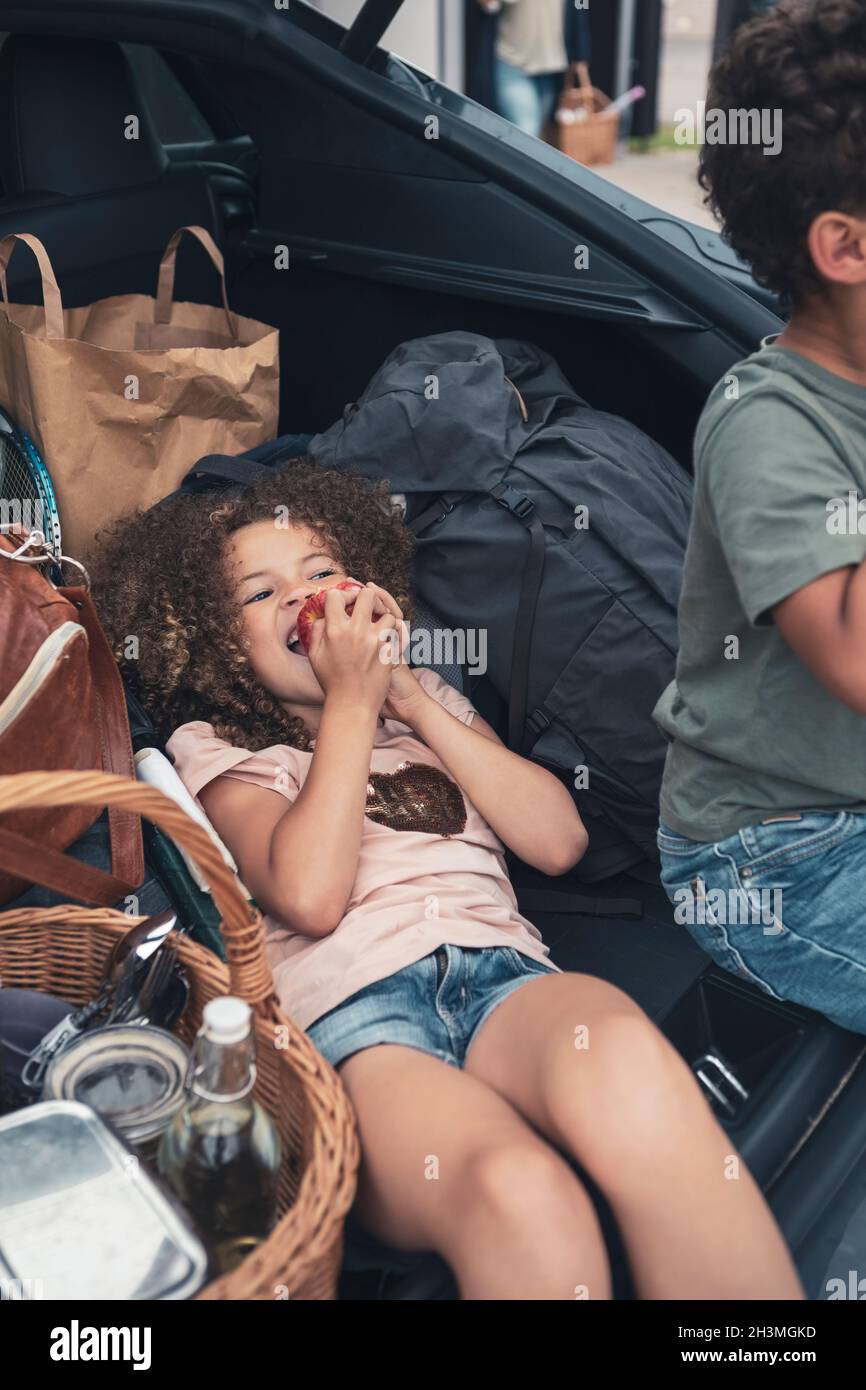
391	238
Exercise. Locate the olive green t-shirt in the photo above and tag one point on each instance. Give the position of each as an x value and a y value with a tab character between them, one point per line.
780	467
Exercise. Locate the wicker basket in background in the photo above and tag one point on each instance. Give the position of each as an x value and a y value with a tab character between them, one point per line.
589	141
63	950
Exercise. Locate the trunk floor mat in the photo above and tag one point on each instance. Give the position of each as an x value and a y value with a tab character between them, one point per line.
654	959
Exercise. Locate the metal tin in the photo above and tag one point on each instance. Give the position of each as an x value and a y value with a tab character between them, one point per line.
131	1075
80	1218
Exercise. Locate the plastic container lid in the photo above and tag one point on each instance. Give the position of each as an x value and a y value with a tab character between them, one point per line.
134	1077
79	1221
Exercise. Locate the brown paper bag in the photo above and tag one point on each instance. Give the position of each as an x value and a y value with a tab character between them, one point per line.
122	397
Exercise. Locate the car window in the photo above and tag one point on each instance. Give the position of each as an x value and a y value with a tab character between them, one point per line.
177	119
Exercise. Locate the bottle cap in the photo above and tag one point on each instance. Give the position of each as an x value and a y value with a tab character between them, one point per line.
227	1020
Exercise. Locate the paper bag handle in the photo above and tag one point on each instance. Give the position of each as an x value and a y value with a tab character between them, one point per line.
50	288
165	283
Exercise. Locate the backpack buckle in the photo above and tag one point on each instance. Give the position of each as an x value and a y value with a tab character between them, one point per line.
720	1082
537	722
514	501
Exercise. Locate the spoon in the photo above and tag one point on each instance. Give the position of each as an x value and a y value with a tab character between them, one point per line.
124	968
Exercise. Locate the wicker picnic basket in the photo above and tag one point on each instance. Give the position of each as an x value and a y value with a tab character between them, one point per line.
591	140
62	951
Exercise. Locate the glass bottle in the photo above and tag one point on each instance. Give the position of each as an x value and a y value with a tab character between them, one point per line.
221	1153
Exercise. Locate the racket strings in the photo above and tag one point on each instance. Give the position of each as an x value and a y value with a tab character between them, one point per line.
21	504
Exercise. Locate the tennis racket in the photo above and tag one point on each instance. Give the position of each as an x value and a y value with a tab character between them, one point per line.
27	498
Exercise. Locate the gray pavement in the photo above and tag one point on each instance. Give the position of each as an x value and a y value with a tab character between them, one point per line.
667	178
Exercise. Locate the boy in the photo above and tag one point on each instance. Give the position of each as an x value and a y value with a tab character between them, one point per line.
763	805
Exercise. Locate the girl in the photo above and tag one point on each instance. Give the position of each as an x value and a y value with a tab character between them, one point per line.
367	806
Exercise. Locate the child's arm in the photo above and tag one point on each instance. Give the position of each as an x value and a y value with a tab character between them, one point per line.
527	807
299	862
825	623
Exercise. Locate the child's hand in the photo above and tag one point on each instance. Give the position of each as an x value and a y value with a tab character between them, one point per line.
346	650
404	694
404	690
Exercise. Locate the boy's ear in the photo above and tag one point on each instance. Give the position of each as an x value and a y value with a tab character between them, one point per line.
837	245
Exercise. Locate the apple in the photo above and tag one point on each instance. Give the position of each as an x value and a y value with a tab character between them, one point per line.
314	608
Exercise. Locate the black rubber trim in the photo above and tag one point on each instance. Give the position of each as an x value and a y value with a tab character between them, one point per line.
824	1163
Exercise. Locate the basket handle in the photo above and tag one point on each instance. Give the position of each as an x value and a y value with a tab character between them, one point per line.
249	971
586	91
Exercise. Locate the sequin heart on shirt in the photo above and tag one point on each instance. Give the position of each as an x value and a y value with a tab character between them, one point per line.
416	796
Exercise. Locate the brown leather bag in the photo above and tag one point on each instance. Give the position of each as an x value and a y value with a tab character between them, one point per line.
62	708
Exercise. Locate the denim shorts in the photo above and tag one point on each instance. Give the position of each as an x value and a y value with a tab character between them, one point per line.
781	903
436	1004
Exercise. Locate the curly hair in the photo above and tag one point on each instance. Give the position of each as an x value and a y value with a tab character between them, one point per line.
162	588
807	59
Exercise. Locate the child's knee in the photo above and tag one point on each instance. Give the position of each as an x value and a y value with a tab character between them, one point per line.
517	1184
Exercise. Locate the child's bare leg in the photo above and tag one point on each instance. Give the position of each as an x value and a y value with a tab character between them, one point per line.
448	1165
621	1100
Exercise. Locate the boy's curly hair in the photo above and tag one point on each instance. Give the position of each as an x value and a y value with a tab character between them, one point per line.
161	577
806	58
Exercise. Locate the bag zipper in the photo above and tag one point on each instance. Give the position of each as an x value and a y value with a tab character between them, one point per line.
42	665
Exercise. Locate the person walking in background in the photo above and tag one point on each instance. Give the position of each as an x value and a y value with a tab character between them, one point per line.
536	42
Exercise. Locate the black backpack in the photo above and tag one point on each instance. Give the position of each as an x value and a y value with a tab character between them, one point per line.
558	529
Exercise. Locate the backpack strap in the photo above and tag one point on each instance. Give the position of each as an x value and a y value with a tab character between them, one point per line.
227	468
216	470
532	900
533	572
127	849
437	510
35	863
243	469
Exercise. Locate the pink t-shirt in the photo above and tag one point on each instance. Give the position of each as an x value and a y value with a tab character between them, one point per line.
414	890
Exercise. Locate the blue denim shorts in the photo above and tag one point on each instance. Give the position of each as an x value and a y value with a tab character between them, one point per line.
436	1004
782	904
